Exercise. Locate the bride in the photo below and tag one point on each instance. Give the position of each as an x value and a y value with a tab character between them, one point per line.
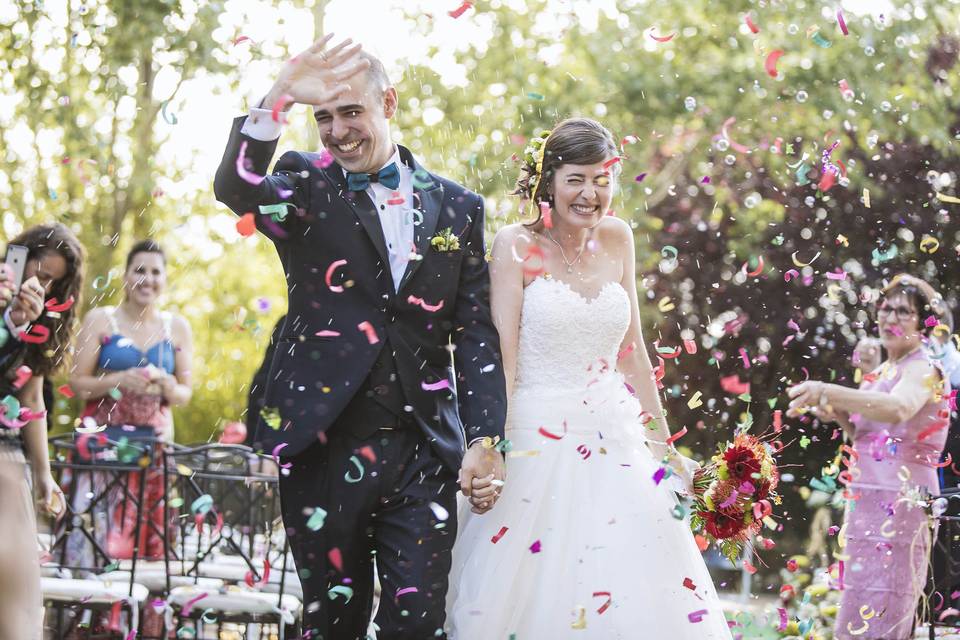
583	543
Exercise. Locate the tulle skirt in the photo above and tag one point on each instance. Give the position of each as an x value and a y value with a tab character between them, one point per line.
582	543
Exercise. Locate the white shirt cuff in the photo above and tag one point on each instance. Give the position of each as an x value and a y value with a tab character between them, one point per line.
14	330
260	125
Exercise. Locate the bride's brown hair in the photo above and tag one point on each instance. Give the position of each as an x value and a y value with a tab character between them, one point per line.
572	141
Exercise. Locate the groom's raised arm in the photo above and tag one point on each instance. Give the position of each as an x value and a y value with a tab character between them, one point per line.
481	389
241	182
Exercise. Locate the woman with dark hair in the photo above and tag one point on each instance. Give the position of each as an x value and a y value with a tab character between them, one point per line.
132	365
897	421
579	516
39	323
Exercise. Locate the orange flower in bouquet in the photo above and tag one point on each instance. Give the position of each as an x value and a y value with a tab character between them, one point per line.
734	493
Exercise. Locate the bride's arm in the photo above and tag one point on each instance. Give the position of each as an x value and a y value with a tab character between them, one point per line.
506	298
634	361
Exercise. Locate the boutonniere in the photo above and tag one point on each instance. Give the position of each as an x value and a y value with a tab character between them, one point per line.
445	241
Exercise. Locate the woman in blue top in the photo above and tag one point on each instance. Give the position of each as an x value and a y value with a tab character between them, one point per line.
132	365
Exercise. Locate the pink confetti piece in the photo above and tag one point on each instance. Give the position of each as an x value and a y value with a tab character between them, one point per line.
771	63
790	275
744	358
249	176
839	274
661	38
188	605
676	436
535	547
327	333
370	332
432	308
783	619
750	24
658	475
281	102
697	616
336	264
842	22
406	590
435	386
736	146
459	11
324	161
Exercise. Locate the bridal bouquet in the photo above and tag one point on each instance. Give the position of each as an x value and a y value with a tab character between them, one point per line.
734	493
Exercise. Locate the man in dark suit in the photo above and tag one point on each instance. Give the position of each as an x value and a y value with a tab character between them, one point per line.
386	275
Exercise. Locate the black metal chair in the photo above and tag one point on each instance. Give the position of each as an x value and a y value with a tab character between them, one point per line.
226	502
944	581
76	582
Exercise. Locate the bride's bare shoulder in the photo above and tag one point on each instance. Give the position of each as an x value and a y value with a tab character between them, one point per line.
510	232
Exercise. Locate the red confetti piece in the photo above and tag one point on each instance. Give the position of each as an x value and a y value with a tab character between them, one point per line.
584	451
329	276
336	558
755	272
827	180
932	429
771	64
546	214
702	542
459	11
65	391
553	436
605	605
677	436
842	22
240	39
612	161
368	329
249	577
396	198
690	346
496	538
367	452
53	305
688	583
38	334
749	567
777	420
247	225
945	463
662	38
753	27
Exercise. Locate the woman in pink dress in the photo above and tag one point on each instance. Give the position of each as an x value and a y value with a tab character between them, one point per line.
897	421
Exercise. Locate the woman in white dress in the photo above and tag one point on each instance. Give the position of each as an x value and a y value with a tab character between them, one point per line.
582	542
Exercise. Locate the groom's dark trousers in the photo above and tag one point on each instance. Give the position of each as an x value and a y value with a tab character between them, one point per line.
361	398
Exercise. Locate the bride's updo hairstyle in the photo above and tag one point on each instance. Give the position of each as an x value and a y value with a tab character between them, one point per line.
572	141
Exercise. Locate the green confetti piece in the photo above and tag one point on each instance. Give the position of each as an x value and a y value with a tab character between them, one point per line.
883	256
801	174
772	402
202	505
745	397
13	407
679	511
4	336
113	566
816	483
341	590
316	519
116	394
176	503
821	41
277	211
533	95
504	446
271	416
777	240
351	479
804	442
421	179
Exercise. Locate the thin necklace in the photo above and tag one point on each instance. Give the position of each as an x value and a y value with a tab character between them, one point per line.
563	255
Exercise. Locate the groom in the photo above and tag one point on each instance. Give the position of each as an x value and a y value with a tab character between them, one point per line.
386	276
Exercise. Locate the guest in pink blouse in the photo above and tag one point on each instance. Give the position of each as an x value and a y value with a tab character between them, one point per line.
897	421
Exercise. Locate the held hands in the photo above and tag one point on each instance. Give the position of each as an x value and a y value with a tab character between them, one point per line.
805	396
134	380
28	303
481	477
316	76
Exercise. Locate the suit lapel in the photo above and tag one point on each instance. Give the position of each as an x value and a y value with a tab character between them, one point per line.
366	212
428	199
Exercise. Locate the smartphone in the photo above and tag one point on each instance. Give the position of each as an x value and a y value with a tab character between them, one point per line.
16	260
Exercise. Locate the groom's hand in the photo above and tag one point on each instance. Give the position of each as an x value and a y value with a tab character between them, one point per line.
481	476
317	75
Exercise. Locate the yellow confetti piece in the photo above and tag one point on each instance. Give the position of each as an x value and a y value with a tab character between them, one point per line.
665	305
695	401
842	239
866	197
903	474
797	263
887	530
929	244
842	536
581	621
833	292
945	198
859	631
184	470
528	453
857	376
866	608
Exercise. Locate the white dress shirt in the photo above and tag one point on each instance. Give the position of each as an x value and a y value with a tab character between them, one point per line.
396	220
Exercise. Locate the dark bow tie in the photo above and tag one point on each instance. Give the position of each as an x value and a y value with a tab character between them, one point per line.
389	177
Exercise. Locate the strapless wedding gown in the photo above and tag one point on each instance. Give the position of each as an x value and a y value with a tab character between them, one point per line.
581	544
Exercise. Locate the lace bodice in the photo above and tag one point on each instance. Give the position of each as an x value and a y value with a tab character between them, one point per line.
566	340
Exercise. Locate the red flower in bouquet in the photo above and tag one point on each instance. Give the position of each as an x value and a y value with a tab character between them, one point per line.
742	463
721	525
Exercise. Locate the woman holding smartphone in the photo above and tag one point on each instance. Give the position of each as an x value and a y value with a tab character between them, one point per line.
33	345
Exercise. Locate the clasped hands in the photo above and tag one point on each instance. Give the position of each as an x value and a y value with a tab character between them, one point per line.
482	473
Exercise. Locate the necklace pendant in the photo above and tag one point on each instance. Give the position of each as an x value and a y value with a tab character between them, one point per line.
569	268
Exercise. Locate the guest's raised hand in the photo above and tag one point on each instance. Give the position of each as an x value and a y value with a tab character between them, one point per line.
317	75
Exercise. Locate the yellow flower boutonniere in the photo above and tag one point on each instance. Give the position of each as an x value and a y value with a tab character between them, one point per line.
445	241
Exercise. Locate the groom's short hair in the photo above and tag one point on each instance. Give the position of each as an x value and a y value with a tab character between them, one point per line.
377	77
